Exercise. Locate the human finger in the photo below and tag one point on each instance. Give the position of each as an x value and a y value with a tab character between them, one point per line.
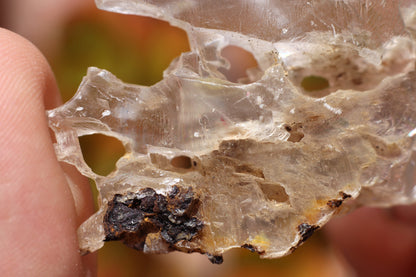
376	242
38	216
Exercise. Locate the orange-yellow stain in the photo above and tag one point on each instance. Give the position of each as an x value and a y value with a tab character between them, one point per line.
261	241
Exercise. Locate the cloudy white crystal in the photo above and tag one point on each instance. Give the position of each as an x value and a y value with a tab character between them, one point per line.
269	157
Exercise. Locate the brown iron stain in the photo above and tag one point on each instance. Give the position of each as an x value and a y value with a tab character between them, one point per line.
215	259
249	169
274	191
383	148
295	131
344	195
252	248
336	203
306	231
238	166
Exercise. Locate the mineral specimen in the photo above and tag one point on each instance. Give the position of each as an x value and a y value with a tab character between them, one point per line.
327	122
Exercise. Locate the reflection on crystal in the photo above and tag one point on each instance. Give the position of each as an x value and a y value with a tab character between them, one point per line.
324	123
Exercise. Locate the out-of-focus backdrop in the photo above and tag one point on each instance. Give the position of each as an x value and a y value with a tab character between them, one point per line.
74	34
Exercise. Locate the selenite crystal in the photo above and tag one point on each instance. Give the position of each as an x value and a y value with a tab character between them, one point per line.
325	123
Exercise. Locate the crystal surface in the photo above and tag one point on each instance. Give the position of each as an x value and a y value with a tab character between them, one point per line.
324	124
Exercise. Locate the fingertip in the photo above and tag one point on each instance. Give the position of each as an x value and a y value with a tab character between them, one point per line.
38	217
23	65
374	242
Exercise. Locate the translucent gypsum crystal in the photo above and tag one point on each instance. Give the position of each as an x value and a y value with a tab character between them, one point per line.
326	123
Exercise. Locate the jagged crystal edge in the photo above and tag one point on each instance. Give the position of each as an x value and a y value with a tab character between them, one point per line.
268	161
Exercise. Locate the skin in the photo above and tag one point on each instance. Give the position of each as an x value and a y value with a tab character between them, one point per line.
377	242
39	216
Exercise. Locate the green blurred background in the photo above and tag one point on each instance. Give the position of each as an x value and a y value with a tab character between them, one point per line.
73	35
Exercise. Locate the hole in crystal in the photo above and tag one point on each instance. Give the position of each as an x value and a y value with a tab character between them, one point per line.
314	83
240	61
181	162
275	192
101	152
295	131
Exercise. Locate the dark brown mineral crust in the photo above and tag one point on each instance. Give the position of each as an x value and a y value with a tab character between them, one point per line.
132	217
336	203
252	248
306	231
215	259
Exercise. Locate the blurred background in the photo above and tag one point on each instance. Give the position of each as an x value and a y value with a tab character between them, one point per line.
74	34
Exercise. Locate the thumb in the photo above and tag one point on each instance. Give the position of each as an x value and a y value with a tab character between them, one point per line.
38	216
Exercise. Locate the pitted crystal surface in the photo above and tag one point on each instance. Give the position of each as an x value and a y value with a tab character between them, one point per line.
326	122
